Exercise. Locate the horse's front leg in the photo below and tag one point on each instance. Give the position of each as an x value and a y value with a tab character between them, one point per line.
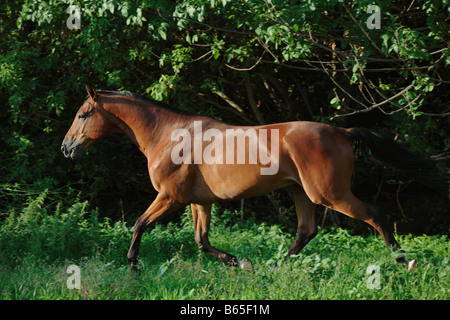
201	215
159	208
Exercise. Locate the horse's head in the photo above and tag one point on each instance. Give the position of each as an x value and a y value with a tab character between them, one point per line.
90	125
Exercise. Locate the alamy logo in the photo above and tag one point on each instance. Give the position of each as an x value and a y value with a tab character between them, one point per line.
74	281
230	146
373	22
74	20
373	277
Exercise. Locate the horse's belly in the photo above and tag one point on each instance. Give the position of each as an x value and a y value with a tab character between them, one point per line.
229	182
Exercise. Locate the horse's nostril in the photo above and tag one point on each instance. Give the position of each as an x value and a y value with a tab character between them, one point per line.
64	150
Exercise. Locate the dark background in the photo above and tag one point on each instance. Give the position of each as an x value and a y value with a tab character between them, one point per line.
243	62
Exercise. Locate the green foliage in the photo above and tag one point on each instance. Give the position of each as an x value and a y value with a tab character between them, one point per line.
54	233
305	60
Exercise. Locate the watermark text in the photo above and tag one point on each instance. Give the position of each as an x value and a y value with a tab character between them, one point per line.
230	146
74	281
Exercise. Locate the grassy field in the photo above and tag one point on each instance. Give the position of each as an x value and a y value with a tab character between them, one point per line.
37	247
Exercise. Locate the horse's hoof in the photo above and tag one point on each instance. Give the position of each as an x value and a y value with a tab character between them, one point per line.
132	269
411	265
246	264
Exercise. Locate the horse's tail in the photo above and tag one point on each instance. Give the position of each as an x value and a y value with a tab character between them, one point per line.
420	168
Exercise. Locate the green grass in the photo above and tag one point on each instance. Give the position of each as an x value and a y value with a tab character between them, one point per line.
37	247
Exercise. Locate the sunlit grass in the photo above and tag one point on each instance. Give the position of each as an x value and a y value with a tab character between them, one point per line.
318	273
332	266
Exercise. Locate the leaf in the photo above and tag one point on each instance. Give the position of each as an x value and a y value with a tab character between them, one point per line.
385	87
124	10
162	30
163	269
447	60
111	7
429	87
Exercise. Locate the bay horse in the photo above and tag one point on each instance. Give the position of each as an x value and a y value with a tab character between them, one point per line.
314	160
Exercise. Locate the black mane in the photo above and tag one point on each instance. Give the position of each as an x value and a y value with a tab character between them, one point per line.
141	97
128	95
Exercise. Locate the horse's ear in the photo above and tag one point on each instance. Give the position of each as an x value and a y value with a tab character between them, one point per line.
91	92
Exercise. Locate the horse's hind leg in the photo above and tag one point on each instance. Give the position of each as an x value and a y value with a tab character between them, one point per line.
306	229
355	208
201	215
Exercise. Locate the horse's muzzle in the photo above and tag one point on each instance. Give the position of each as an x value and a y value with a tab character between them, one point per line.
72	150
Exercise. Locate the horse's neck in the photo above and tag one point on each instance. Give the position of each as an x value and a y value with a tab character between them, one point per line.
143	123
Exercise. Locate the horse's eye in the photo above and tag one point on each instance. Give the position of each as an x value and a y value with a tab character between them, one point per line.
84	115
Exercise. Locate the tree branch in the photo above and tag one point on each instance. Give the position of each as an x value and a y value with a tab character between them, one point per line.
229	101
251	99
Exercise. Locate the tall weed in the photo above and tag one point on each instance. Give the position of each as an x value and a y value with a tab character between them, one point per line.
54	233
